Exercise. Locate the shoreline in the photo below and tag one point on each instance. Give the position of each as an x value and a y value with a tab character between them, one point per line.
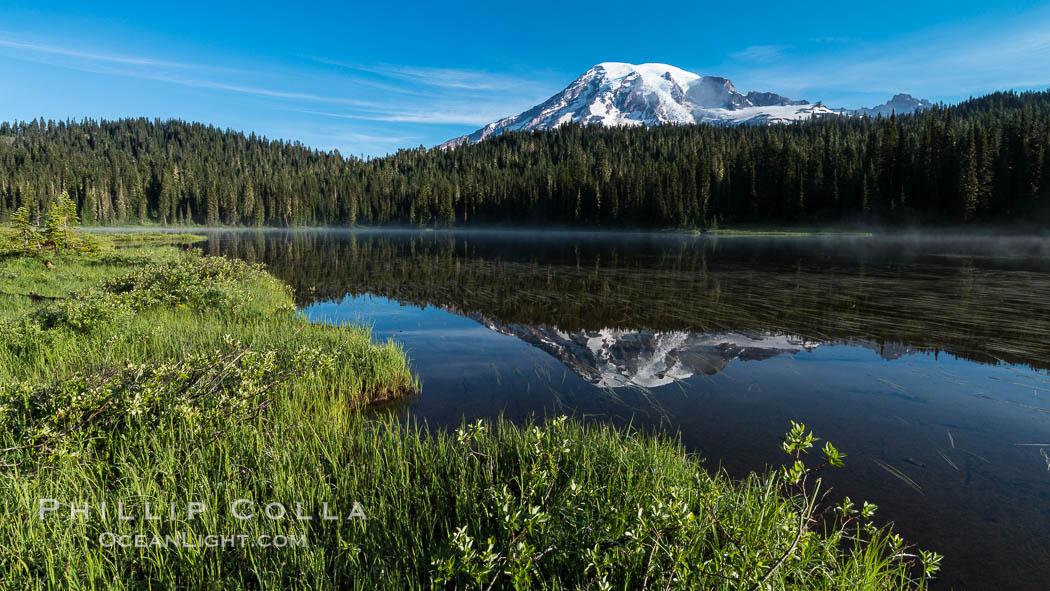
927	233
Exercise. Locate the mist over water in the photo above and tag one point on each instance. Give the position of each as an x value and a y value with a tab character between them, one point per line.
922	355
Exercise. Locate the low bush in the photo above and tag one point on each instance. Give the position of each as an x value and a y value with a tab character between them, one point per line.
205	392
196	282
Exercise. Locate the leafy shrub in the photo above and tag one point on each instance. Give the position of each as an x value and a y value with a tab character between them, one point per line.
195	282
200	283
89	244
84	313
24	337
207	390
130	257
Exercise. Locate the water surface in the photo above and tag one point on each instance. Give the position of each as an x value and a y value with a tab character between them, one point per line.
928	357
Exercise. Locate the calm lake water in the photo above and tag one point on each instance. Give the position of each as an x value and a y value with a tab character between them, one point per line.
924	360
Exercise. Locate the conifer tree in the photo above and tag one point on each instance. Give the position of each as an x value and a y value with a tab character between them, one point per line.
23	234
969	184
61	221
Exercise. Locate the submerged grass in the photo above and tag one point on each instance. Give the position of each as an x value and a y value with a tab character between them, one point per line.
899	475
185	392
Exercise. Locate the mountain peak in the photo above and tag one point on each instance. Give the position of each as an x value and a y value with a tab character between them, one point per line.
652	70
622	94
901	103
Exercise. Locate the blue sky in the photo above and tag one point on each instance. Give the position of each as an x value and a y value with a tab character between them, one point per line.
369	78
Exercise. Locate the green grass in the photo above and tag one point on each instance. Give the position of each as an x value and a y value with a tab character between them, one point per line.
81	315
560	506
154	375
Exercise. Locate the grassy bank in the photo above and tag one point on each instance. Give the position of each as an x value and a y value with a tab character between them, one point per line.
150	304
153	382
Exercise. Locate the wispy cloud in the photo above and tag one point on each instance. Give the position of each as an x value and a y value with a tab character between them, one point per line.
158	70
447	78
385	85
380	106
442	115
119	59
367	141
830	40
941	64
448	96
439	96
264	92
759	53
451	78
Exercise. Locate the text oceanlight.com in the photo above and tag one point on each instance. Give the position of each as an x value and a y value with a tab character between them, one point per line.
188	540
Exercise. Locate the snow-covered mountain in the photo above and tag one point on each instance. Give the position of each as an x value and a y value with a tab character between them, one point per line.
899	104
617	94
612	358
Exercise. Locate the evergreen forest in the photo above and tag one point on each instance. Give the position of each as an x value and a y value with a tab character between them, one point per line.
981	161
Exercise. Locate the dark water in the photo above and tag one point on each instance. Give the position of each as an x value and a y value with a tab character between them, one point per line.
925	356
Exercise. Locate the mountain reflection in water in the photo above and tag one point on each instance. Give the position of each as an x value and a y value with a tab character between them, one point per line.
612	358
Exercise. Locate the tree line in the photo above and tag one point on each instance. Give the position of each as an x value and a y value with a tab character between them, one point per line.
979	161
